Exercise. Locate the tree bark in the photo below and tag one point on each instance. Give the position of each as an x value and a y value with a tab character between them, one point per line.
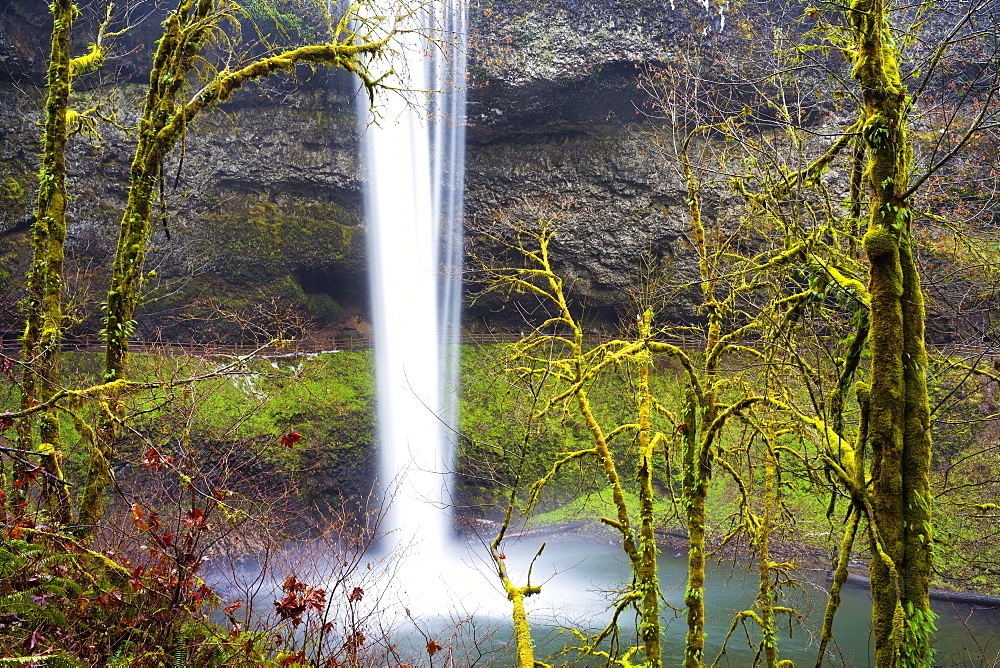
899	428
43	305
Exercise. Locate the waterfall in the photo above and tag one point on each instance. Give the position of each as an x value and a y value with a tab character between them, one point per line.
414	159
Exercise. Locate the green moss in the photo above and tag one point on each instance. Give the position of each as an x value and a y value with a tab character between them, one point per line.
210	306
591	508
260	239
192	309
15	194
13	191
494	416
328	400
322	309
878	242
15	253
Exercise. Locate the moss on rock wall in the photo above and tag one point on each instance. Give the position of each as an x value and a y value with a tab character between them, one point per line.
15	193
258	240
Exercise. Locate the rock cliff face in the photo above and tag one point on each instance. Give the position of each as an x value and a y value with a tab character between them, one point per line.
557	130
268	200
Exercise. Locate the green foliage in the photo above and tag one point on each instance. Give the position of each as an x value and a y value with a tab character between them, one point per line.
327	398
53	597
215	309
494	416
13	251
591	507
291	392
32	574
322	309
14	202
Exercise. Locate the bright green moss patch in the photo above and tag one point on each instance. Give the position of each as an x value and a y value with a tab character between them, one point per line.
327	399
591	508
259	240
15	190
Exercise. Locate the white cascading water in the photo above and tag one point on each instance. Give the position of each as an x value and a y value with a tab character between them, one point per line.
414	159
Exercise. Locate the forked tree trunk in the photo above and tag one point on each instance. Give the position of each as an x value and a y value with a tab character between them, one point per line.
899	429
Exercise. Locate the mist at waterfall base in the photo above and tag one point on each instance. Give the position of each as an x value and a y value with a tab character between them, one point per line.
577	578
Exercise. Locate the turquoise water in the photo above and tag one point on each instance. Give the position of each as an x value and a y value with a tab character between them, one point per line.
469	616
575	577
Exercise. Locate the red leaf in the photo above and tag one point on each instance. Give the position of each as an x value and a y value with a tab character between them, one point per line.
294	659
194	518
155	460
135	579
290	439
138	518
234	606
7	365
164	541
289	607
433	647
292	584
6	422
315	599
202	593
28	475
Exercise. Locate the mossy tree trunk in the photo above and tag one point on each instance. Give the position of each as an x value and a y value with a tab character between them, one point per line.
43	304
765	593
524	648
840	574
522	628
700	414
647	582
899	416
43	308
695	492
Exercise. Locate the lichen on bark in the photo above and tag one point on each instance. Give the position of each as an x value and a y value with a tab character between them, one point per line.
43	303
898	412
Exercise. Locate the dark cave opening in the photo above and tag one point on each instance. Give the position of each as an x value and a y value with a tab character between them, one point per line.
335	298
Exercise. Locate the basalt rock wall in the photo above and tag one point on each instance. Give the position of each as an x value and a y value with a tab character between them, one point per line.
263	202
